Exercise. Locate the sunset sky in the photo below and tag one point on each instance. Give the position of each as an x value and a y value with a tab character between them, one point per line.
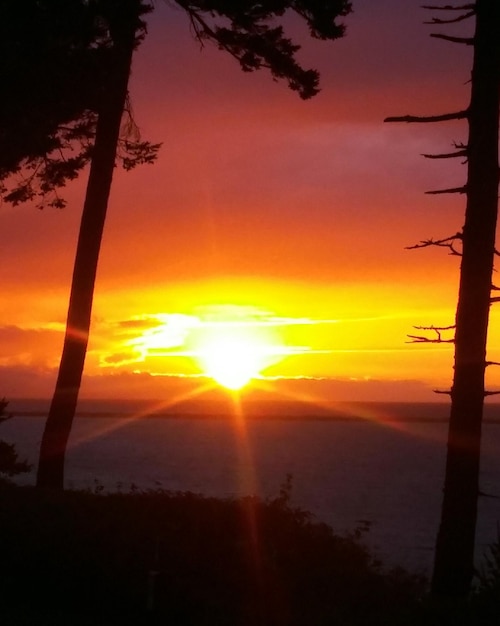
284	217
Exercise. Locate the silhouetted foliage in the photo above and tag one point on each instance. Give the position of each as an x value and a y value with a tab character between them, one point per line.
10	465
54	65
255	43
183	559
486	598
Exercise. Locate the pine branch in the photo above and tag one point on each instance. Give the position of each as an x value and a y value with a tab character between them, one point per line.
446	242
244	31
450	190
458	115
468	41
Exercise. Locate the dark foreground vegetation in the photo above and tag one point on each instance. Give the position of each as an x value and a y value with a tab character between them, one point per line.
87	559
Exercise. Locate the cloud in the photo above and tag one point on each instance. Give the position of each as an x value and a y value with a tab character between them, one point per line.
164	343
139	323
37	347
26	381
120	358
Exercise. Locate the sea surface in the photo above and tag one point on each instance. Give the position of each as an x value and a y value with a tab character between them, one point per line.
377	463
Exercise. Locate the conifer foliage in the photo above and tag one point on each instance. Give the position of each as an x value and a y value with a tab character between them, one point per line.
250	37
55	62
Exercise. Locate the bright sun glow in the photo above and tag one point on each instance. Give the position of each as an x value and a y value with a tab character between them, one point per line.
232	359
230	344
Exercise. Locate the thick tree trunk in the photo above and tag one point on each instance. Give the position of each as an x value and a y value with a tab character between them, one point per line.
63	406
454	558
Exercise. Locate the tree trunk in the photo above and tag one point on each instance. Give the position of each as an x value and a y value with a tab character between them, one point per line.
64	401
454	558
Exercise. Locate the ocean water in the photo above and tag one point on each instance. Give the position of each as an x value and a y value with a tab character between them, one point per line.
376	463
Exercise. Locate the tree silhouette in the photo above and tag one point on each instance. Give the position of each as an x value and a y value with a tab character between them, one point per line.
48	67
255	43
54	64
475	244
10	465
124	31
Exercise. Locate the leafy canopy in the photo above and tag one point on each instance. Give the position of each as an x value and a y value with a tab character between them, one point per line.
56	55
247	33
55	59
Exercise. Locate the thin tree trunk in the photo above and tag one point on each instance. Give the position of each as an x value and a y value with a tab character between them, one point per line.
454	557
64	401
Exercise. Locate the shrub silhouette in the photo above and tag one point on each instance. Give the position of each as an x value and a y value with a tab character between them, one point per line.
186	559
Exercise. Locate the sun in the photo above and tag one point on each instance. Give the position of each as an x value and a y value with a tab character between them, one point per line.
233	357
231	344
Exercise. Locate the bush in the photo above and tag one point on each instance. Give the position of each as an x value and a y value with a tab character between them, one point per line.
184	559
486	597
9	463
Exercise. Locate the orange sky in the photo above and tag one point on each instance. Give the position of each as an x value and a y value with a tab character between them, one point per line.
284	208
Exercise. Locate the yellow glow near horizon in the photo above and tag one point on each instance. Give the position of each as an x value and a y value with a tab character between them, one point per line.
233	357
234	344
230	344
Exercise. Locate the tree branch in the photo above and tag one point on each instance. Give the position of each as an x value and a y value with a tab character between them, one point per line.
491	393
450	190
453	20
450	7
487	495
458	115
468	41
446	155
446	242
444	392
436	329
488	363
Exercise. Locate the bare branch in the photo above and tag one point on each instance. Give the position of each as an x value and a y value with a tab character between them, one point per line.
487	495
491	393
446	155
444	392
450	7
460	18
493	300
488	363
447	242
468	41
445	117
436	192
437	339
495	288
